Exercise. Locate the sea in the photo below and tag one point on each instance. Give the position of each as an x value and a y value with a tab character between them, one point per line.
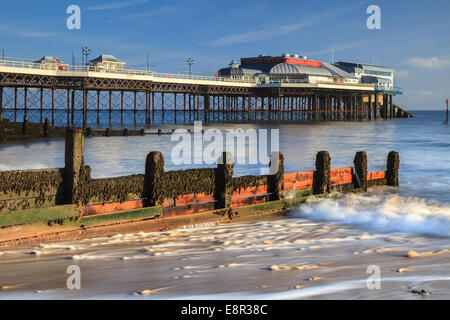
388	243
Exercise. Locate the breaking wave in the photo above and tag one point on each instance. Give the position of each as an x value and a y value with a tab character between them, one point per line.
382	212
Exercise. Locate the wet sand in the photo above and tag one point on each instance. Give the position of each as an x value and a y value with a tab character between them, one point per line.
283	258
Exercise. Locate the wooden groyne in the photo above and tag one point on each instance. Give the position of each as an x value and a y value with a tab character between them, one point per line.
75	204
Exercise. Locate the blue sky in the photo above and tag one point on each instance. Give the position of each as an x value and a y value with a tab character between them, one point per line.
414	39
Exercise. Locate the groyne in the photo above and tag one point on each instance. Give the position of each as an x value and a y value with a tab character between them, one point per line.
68	201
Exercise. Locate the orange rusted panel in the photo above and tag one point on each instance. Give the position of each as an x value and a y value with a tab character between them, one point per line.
253	191
298	185
376	175
111	207
340	176
188	209
194	199
188	199
298	176
239	202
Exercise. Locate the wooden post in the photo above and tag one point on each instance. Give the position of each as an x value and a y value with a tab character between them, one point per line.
360	176
46	127
25	125
153	180
321	181
393	164
276	180
224	181
74	164
68	108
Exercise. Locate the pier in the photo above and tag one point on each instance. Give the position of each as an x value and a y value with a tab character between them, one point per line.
91	96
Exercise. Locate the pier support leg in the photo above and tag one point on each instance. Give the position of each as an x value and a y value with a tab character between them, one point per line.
68	108
391	108
393	163
41	109
321	181
98	106
110	108
206	108
377	106
1	104
74	165
224	181
15	104
360	176
154	173
53	107
26	102
276	180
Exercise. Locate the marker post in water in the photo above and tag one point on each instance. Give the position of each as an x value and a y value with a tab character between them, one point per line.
446	116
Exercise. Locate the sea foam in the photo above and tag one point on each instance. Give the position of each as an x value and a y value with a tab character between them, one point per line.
382	212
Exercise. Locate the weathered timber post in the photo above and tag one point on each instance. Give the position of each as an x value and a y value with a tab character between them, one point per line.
224	181
153	180
25	125
360	176
74	164
46	127
321	181
276	180
393	163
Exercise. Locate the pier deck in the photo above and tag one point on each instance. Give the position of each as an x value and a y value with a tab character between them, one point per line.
88	96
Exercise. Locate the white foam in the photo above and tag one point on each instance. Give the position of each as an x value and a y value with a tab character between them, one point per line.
381	212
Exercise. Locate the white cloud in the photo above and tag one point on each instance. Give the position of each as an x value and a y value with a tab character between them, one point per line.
256	35
32	34
429	63
266	34
116	5
338	47
401	74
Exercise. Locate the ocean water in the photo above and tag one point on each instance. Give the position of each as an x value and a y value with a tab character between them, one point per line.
319	250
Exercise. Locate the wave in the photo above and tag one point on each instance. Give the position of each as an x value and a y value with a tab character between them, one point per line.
381	212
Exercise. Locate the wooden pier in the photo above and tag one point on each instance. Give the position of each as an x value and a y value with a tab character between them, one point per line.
84	96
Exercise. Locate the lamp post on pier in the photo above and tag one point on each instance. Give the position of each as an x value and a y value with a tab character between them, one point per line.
85	52
190	62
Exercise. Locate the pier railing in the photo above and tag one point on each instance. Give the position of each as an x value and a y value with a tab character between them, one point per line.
136	72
